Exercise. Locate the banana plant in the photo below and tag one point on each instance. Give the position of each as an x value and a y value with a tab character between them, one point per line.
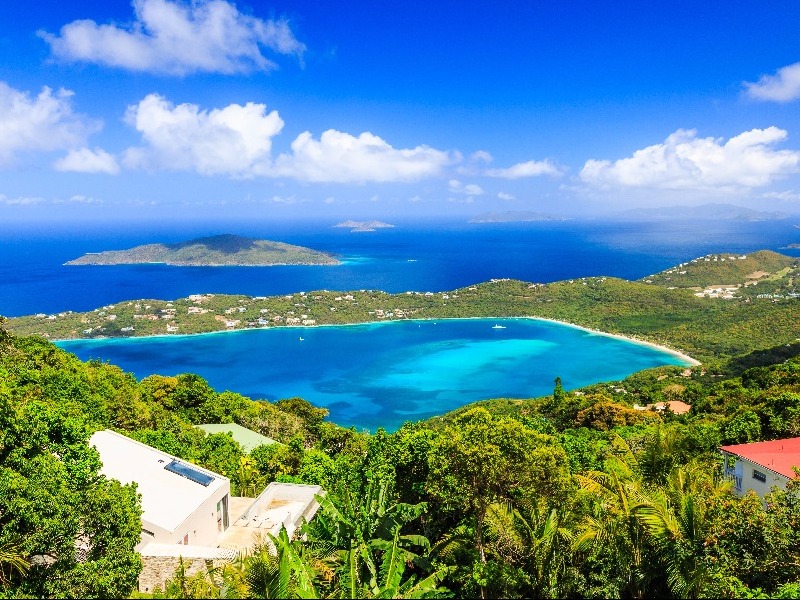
371	555
281	569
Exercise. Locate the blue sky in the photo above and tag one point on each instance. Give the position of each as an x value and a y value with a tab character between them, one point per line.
208	109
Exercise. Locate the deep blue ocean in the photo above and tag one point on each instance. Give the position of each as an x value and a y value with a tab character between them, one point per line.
373	375
433	256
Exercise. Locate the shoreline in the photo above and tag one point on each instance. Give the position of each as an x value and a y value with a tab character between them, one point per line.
677	353
692	361
213	265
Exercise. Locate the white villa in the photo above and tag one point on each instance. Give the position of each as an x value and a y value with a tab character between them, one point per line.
760	466
188	512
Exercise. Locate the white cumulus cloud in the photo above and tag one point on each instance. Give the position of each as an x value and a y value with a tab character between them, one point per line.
177	38
783	86
339	157
287	200
481	156
82	199
42	123
784	196
85	160
531	168
471	189
21	200
685	162
505	196
235	140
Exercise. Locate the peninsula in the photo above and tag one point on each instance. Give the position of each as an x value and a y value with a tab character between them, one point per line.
213	251
358	226
713	306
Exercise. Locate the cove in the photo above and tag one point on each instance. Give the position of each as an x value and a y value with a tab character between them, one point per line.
383	374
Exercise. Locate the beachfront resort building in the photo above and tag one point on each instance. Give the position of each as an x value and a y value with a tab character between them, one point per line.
761	466
188	512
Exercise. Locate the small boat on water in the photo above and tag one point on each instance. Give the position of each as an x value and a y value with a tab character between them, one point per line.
498	327
301	339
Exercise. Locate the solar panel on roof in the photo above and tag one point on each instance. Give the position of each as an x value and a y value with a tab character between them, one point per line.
190	473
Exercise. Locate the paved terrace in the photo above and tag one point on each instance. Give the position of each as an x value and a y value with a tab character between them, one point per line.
278	505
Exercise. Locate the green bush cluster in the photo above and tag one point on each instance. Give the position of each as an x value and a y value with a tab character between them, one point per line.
576	494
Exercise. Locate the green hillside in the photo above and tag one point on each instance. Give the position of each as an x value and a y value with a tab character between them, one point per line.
759	267
577	494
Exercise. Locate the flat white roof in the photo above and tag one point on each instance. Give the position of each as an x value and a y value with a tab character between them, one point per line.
168	498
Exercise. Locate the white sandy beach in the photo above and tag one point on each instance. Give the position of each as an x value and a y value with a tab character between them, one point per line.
681	355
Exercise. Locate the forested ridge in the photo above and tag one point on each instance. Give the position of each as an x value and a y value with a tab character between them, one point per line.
571	495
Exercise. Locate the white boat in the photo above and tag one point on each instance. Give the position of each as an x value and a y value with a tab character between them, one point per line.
301	339
498	327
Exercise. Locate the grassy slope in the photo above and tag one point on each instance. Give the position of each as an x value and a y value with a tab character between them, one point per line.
724	269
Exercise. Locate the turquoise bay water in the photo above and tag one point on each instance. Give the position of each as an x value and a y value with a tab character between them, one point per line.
382	374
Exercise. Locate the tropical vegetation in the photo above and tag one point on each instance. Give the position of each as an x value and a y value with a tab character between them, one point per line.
574	494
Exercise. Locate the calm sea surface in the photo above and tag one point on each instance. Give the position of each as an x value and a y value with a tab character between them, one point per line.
429	257
373	375
382	374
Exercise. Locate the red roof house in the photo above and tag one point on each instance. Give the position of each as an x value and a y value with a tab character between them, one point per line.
760	466
676	406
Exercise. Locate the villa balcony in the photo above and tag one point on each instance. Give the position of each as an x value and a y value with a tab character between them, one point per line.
736	479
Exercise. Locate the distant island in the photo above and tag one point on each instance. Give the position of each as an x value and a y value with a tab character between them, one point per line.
514	216
724	212
359	226
218	250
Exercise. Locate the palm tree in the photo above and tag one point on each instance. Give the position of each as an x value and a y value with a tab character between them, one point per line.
246	475
661	452
676	519
182	585
614	523
12	560
538	540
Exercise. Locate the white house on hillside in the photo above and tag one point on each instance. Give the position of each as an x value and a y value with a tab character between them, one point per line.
760	466
181	502
188	514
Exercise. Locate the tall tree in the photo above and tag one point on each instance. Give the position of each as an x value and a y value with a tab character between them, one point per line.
558	391
77	529
479	460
